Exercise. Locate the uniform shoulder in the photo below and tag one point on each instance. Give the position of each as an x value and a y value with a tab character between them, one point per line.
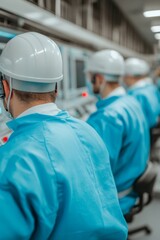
21	154
109	115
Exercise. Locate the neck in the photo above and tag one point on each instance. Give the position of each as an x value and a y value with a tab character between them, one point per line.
21	107
109	88
134	80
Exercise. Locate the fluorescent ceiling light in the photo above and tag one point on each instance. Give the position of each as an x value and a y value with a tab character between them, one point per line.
153	13
7	34
157	36
155	28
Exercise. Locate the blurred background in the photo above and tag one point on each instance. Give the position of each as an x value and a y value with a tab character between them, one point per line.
81	27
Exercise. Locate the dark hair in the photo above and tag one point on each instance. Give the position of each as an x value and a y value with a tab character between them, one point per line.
29	97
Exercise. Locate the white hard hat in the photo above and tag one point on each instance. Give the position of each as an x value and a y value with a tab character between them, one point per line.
136	67
108	62
33	61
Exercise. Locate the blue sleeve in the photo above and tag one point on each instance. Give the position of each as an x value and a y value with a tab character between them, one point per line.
149	107
149	99
27	209
17	221
111	131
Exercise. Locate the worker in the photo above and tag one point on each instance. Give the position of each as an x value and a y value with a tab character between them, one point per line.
140	86
120	122
157	77
53	169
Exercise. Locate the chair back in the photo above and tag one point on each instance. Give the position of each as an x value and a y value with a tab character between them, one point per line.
144	186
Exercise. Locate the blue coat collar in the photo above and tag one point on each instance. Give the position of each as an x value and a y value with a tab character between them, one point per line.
34	118
107	101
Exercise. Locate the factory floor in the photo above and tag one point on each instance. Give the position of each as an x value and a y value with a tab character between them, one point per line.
150	216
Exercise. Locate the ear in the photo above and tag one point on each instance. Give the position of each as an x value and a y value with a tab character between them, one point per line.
6	88
99	78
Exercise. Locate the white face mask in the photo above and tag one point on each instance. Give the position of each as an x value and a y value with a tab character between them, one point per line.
123	84
90	90
6	111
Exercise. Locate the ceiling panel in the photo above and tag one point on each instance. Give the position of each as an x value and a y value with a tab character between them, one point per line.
134	9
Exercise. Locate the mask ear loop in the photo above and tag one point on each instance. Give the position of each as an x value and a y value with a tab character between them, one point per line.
93	80
10	93
56	88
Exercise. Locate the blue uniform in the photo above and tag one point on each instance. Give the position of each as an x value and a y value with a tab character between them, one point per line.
149	99
120	122
56	182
